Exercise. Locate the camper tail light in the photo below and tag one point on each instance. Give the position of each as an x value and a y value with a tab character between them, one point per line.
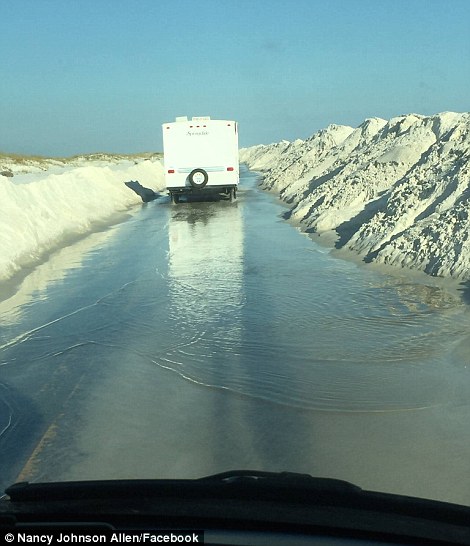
230	169
171	171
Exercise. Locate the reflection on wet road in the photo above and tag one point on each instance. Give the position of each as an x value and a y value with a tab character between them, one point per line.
212	335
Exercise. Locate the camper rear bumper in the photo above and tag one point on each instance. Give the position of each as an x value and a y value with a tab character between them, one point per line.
229	190
206	189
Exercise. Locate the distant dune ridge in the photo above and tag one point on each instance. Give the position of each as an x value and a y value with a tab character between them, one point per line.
396	192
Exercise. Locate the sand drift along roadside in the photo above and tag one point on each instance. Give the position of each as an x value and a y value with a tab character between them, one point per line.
396	192
48	203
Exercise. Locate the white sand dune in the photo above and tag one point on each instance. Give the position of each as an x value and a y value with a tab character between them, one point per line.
397	192
45	202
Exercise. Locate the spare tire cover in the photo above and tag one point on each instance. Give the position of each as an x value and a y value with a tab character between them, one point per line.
198	178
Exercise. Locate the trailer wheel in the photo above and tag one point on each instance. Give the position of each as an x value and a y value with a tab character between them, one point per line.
198	178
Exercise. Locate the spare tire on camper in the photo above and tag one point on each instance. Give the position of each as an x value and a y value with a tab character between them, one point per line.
198	178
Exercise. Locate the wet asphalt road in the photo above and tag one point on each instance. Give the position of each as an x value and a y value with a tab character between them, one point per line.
207	336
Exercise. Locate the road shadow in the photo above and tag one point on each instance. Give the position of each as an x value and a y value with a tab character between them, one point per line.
464	288
146	194
22	430
196	197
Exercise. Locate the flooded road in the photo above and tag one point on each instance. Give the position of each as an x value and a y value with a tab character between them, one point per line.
208	336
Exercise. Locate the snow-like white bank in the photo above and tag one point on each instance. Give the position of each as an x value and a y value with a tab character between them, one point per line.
397	192
57	201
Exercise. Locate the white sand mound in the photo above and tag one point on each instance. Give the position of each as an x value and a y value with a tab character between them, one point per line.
396	192
46	202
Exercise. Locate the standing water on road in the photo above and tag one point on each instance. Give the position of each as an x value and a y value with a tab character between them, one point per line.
207	336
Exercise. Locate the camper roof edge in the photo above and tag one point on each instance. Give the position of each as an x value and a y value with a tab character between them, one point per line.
194	118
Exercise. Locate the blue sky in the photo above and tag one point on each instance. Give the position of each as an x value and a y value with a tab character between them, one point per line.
103	75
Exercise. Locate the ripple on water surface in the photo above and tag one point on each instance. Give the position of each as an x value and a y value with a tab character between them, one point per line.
378	345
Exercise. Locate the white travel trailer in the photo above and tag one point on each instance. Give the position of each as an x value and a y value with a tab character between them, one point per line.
201	155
